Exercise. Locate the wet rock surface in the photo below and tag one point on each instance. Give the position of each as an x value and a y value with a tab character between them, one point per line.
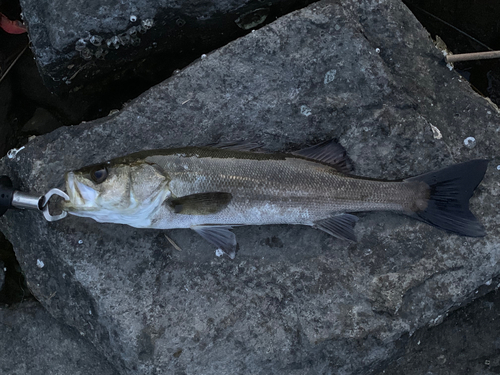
32	343
294	300
81	41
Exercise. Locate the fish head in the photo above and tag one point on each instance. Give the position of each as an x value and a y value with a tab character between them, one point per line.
125	193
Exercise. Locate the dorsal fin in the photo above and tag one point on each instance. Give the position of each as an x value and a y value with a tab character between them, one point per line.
238	146
329	152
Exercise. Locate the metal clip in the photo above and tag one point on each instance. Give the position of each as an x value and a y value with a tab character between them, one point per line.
45	206
40	203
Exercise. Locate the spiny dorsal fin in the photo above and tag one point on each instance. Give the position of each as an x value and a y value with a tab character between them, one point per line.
200	204
238	146
329	152
340	226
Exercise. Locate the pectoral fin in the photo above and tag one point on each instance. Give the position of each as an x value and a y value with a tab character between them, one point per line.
220	236
340	226
200	204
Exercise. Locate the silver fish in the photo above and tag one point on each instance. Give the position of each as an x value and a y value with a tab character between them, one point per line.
211	190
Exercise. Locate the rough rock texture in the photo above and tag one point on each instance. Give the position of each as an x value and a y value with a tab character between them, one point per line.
78	41
295	300
465	343
33	343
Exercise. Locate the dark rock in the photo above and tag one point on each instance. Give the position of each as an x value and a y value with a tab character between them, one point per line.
33	343
479	32
2	274
14	289
80	41
465	343
42	122
5	125
363	72
32	93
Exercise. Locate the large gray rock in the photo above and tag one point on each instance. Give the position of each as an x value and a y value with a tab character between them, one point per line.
77	42
295	300
33	343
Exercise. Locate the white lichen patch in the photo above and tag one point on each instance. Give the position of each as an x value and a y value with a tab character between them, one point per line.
436	133
13	153
305	110
470	142
330	76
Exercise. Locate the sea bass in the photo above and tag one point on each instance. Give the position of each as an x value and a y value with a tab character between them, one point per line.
211	190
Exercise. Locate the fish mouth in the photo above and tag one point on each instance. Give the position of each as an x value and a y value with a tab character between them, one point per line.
81	196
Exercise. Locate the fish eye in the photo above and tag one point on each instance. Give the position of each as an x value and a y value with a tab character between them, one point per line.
99	174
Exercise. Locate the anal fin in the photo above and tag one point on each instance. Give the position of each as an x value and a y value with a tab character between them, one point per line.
220	236
340	226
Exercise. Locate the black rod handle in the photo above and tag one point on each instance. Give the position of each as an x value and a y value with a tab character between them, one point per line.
6	194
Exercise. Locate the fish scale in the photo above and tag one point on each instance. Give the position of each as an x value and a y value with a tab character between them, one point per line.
211	190
276	191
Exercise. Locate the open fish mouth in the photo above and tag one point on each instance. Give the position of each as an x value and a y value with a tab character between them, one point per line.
81	196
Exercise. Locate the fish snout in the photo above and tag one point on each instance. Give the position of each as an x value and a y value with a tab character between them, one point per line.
80	194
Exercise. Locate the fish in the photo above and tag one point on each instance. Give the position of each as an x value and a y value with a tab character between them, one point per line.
214	189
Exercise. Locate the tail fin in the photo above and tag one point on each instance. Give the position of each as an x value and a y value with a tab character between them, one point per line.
450	191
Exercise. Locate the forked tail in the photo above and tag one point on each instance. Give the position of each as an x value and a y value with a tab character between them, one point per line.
450	191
